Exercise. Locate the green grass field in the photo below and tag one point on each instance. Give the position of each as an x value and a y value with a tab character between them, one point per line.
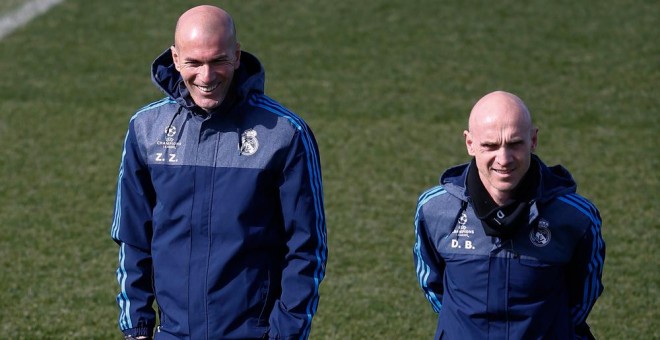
386	86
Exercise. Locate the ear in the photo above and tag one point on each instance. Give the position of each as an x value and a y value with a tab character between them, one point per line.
237	64
469	142
535	138
175	57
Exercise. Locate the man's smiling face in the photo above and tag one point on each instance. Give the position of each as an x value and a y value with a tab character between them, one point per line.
207	62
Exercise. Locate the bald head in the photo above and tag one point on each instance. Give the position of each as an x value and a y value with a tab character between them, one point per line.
499	105
207	23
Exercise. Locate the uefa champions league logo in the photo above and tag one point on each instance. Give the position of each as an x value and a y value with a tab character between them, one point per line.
170	131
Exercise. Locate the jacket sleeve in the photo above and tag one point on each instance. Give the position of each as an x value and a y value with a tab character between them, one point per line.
586	271
131	229
429	266
301	197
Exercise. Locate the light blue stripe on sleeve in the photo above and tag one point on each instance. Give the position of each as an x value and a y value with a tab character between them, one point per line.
313	165
591	288
125	321
423	270
123	301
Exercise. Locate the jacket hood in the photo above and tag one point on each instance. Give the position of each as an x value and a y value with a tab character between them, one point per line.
249	77
554	181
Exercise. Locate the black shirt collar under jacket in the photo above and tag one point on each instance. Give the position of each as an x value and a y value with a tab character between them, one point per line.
502	221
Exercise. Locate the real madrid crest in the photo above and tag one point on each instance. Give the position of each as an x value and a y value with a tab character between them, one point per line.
249	143
540	236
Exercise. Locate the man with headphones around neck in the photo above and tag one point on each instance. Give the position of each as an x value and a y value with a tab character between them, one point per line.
504	246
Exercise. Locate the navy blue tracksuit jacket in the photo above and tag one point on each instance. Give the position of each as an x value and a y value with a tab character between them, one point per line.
539	284
219	217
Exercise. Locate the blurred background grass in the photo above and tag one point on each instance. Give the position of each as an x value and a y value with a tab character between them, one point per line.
386	86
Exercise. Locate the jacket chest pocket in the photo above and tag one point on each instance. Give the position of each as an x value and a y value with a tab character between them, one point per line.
535	278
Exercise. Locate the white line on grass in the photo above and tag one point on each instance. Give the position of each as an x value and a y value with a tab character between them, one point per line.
21	16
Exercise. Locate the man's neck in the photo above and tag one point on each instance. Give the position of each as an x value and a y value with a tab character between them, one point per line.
499	197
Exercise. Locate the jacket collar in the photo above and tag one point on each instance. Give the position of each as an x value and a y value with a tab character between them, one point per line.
249	77
553	181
